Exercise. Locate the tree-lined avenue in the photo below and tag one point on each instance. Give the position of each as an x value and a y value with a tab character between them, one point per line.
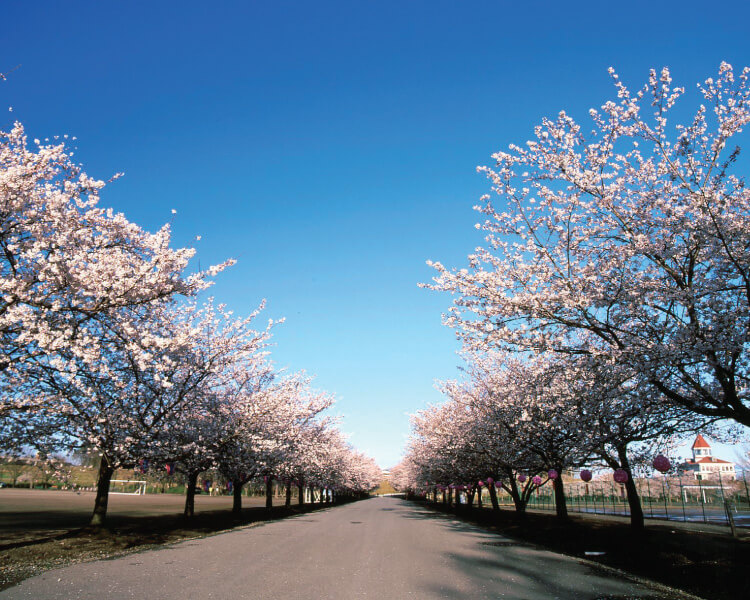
378	548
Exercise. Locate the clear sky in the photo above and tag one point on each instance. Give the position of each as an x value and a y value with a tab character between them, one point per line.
330	147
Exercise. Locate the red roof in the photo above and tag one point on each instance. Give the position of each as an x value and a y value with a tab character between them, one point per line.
709	459
700	442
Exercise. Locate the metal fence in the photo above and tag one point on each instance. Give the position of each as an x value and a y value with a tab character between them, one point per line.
712	500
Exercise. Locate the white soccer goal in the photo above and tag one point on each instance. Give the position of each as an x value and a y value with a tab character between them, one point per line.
129	487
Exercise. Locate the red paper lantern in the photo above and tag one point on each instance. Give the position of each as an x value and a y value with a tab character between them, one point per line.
662	464
620	476
586	475
490	481
522	478
536	480
552	474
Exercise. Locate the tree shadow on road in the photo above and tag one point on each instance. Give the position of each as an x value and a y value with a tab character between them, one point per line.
497	565
706	564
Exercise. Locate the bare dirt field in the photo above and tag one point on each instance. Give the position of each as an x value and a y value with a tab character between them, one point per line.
28	514
40	529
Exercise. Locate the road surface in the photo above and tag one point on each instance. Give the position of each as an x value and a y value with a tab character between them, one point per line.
382	548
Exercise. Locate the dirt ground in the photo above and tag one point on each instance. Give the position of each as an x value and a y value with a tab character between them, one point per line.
29	514
42	529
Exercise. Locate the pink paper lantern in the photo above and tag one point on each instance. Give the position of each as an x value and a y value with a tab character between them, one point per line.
662	464
536	480
480	483
490	481
620	476
553	474
586	475
522	478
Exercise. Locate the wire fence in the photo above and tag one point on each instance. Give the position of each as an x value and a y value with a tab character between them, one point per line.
717	499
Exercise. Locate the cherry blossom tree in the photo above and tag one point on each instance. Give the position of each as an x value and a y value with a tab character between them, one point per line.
529	405
517	422
123	396
101	348
84	296
64	259
229	354
339	470
629	242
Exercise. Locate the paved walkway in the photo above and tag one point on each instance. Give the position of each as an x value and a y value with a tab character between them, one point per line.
383	548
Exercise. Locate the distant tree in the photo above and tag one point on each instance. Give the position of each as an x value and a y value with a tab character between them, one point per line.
14	466
49	468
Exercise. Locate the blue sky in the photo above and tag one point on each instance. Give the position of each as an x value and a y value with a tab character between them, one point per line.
331	147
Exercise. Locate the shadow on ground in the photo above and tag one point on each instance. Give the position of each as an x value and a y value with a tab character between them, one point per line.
708	565
25	557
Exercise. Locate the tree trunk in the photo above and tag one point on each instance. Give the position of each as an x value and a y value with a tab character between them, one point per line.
301	492
288	500
634	501
322	495
518	500
520	506
479	497
561	505
493	497
269	493
237	496
470	499
102	493
192	481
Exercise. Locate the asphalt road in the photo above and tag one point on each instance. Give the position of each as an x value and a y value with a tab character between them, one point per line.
381	548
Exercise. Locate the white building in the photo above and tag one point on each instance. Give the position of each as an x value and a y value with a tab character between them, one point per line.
704	466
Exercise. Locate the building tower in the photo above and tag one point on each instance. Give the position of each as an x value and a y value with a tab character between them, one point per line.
701	448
